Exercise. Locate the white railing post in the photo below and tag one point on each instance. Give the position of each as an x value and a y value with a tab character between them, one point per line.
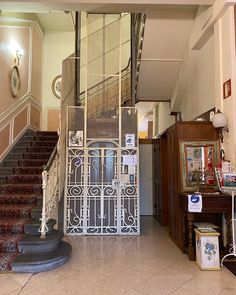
43	228
50	186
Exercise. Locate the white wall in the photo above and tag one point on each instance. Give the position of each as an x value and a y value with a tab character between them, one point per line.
199	94
200	83
194	91
145	179
57	46
224	30
164	118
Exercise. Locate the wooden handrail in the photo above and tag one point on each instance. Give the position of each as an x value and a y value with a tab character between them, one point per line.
52	157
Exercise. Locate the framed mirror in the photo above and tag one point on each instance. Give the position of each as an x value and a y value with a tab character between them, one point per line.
56	86
198	160
15	82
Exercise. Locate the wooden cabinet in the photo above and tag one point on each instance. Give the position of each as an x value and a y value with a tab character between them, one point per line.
213	205
168	183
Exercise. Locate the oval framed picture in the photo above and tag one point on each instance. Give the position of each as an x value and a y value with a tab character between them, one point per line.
15	82
56	86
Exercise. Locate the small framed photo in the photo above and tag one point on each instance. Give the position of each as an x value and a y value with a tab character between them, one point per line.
76	138
56	86
229	179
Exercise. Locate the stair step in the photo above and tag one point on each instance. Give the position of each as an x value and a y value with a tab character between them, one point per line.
38	262
43	143
32	162
9	243
33	244
15	211
27	170
48	149
5	170
11	163
23	144
33	225
29	155
11	199
20	150
36	212
27	138
32	138
39	201
35	149
27	188
15	156
21	208
3	179
25	162
40	133
34	155
5	260
21	178
13	225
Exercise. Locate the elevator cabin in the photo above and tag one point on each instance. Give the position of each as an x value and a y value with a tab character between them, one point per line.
101	146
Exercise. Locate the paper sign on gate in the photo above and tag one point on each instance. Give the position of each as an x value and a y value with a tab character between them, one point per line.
130	140
130	160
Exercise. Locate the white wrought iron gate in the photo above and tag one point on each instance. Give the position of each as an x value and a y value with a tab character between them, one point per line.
101	191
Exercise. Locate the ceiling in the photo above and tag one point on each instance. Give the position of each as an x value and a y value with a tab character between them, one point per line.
165	44
167	30
96	5
57	21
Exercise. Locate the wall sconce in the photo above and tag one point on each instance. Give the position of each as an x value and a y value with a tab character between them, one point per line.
19	53
220	122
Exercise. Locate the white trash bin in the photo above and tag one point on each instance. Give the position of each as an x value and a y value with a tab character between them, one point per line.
207	249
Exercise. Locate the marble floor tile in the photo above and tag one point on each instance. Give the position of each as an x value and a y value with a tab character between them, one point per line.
21	278
182	291
228	291
209	282
8	285
149	264
164	282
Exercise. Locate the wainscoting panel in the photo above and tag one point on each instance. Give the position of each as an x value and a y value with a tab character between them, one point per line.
4	138
35	119
20	122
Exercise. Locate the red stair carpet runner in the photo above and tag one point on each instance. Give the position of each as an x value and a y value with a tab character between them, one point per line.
21	189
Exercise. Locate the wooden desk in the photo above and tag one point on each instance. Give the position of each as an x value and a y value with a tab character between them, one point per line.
211	204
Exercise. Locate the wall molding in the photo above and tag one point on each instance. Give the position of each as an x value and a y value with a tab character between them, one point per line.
9	119
27	101
26	21
45	114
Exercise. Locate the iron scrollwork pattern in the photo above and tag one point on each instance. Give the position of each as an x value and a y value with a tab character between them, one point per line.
98	202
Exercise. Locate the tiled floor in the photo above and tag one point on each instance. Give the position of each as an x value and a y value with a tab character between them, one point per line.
148	264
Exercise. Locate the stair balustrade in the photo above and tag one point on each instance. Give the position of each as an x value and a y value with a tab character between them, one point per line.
50	185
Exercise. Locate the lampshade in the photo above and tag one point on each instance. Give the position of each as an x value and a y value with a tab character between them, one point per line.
219	120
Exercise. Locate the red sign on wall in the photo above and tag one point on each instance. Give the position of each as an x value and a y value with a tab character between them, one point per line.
227	89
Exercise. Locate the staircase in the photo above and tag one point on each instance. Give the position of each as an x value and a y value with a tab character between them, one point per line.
21	248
